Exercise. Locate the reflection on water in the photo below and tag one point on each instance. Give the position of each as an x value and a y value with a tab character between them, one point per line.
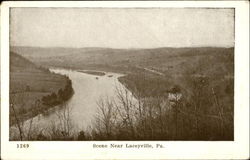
83	104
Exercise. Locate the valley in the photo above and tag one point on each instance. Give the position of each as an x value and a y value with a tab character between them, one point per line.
204	77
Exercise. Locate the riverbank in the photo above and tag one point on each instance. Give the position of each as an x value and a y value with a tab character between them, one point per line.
41	104
29	85
146	84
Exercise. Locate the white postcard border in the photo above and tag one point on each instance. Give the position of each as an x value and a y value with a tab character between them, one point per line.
236	149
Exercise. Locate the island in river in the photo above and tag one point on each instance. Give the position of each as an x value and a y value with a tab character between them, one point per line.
97	73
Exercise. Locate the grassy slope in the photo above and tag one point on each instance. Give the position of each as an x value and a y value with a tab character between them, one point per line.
29	83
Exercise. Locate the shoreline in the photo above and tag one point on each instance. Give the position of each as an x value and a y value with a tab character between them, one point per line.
43	108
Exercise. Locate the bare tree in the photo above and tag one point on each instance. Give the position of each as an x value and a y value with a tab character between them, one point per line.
126	108
63	128
107	116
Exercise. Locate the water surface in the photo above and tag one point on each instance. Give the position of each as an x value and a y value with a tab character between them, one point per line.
88	89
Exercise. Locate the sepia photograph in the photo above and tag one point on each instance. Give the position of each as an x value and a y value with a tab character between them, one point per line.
124	80
134	74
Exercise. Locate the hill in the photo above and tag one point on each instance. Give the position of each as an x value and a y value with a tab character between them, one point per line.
165	60
29	84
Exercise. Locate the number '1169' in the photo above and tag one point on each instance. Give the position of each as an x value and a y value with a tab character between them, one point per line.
22	145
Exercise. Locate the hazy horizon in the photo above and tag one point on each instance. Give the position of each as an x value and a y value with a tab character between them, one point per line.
122	48
121	28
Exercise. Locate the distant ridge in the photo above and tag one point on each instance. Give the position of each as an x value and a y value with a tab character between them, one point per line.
100	48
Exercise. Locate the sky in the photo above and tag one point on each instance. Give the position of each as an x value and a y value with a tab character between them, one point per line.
121	28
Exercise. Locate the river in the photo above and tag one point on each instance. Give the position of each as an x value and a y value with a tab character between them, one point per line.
88	89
